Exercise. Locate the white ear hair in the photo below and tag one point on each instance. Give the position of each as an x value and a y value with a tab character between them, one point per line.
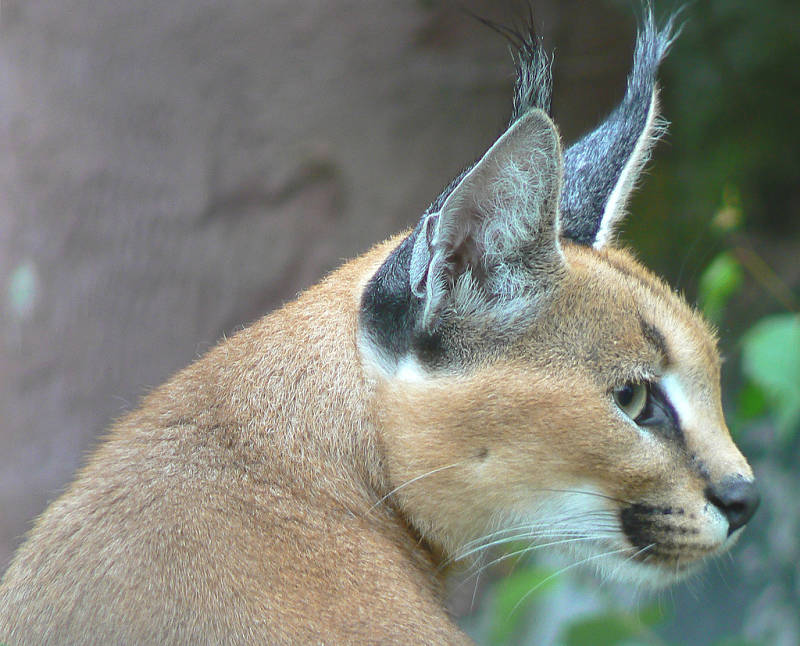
615	208
427	280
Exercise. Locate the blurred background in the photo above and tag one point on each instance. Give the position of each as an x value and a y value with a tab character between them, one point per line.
171	170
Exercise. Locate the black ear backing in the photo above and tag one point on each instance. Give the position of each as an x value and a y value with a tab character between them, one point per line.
601	169
488	246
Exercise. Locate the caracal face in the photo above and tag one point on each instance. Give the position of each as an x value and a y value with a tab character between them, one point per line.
600	431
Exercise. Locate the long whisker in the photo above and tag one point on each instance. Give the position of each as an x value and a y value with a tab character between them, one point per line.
532	548
413	480
527	533
564	569
551	523
562	537
631	558
554	527
475	591
589	493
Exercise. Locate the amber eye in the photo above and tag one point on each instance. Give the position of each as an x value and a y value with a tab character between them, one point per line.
631	399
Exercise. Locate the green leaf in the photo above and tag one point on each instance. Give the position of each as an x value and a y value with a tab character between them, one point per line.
771	360
738	641
750	403
721	280
652	615
514	594
609	629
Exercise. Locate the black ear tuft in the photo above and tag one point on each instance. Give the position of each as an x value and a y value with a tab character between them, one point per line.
534	83
601	169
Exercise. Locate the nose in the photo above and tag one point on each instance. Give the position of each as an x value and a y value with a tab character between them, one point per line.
735	497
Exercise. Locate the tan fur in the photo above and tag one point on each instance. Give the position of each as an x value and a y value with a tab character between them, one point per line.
541	418
456	388
236	507
242	503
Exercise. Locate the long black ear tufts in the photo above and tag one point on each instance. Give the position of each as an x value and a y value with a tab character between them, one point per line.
601	169
533	87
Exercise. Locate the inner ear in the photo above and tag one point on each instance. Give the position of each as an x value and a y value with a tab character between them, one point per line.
490	243
498	227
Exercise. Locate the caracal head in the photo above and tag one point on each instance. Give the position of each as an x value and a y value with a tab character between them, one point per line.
535	383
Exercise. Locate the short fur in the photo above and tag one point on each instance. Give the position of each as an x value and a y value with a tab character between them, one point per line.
455	388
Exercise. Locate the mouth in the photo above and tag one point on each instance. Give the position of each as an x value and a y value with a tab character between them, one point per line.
672	539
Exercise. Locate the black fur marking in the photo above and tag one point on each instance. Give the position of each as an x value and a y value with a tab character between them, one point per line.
533	87
636	523
653	336
660	417
646	525
388	308
389	311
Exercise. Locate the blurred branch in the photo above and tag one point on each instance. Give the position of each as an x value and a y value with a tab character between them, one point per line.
763	274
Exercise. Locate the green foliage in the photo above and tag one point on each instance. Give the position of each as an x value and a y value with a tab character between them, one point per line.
514	595
771	361
718	283
614	629
751	403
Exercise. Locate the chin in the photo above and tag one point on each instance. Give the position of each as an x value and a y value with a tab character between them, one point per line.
652	576
655	567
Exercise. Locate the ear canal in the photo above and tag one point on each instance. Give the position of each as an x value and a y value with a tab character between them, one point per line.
497	228
601	169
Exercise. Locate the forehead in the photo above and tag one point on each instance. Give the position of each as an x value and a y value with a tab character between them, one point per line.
613	314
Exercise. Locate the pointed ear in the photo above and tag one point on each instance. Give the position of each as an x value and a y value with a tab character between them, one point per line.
602	168
496	233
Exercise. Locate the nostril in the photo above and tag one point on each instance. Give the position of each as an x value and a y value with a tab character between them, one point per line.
736	498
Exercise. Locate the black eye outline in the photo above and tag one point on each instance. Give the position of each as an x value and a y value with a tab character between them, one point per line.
656	413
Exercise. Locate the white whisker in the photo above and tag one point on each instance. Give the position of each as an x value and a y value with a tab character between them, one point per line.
628	559
552	523
564	569
413	480
597	494
474	592
531	535
532	548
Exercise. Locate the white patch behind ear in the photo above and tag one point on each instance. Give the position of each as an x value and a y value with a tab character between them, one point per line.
615	205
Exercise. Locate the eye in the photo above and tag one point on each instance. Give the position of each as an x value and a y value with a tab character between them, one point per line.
631	399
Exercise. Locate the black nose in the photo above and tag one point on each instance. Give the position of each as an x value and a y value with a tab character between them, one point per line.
736	498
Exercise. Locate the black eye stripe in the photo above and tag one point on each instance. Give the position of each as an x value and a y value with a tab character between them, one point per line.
659	415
